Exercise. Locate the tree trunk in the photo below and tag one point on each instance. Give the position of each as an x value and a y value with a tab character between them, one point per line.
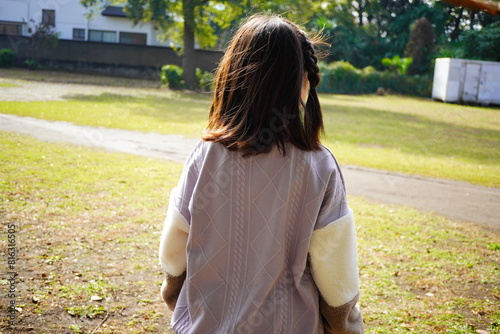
472	19
188	59
360	16
456	29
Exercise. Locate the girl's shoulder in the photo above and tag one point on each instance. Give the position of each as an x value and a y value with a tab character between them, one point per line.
324	157
205	151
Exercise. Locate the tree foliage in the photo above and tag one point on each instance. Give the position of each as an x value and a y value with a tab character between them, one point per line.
420	46
484	44
366	31
43	38
185	23
204	23
361	32
397	64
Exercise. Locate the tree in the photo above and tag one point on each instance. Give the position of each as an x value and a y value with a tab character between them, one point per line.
187	23
43	38
352	32
420	46
483	44
184	22
383	31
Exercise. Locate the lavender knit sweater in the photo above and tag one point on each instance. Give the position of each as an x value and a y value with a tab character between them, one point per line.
261	239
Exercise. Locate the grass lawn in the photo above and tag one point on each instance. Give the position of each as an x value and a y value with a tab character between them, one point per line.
76	78
402	134
87	229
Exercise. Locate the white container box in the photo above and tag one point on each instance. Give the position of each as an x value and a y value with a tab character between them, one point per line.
466	81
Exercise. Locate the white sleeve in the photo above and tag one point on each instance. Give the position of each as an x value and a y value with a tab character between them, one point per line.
173	240
334	261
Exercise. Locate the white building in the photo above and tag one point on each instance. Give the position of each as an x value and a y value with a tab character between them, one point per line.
73	21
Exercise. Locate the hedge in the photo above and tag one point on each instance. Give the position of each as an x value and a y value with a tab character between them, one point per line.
171	75
338	77
343	78
6	57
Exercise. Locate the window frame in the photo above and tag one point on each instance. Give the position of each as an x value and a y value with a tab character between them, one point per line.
8	27
80	30
134	37
102	33
49	17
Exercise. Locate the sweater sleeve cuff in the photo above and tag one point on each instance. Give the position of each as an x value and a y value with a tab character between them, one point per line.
171	289
345	319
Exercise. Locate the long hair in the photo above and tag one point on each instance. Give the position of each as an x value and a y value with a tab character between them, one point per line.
257	99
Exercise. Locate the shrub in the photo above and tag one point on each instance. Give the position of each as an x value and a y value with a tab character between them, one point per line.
32	64
397	64
6	57
204	80
369	69
171	75
342	77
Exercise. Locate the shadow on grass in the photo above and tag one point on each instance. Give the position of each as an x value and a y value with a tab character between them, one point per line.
172	107
173	96
355	125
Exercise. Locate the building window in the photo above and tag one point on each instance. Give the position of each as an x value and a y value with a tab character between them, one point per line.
79	34
102	36
133	38
10	29
49	17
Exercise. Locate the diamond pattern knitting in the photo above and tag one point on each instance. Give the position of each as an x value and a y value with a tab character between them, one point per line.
237	243
291	235
251	224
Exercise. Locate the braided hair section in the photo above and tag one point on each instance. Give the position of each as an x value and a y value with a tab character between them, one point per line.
310	63
313	117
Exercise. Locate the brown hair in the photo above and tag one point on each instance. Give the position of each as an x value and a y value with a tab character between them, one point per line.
257	99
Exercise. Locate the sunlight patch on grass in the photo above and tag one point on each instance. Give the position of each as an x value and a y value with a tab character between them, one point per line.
453	114
7	85
415	136
486	172
76	78
180	114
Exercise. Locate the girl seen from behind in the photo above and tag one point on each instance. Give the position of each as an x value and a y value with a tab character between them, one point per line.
259	237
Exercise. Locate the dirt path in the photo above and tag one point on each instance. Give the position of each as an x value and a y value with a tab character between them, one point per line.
456	200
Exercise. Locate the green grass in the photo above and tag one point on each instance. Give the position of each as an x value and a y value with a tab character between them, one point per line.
401	134
89	223
2	84
85	221
78	78
415	136
172	112
90	311
7	84
425	274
